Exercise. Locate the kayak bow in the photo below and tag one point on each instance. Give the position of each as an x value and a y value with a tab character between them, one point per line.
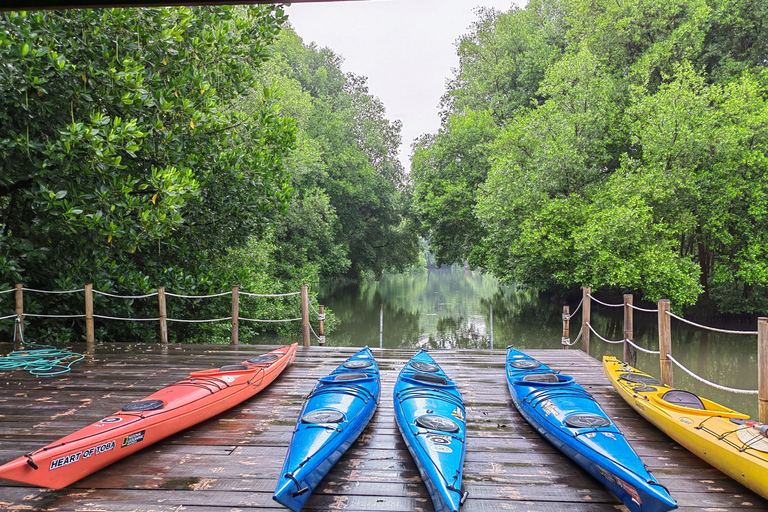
568	417
431	417
189	401
335	413
725	438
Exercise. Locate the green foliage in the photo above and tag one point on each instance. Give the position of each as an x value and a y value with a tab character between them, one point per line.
639	162
122	147
448	169
349	214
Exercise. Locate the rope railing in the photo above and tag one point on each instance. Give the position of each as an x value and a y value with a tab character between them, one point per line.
320	339
270	321
604	339
90	316
715	329
105	317
641	349
53	291
576	310
37	315
666	360
643	309
200	321
571	343
222	294
604	303
153	294
270	294
714	385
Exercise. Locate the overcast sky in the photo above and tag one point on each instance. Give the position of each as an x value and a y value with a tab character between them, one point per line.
405	48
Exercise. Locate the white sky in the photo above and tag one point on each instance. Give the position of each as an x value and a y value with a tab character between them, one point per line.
405	48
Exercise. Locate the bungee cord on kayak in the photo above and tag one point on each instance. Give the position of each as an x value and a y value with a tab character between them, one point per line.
43	361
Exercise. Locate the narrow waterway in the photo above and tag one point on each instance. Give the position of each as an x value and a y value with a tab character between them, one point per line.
450	308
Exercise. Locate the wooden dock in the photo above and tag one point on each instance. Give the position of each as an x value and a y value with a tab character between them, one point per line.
232	462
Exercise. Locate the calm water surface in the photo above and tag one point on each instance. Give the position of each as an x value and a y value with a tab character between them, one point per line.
449	308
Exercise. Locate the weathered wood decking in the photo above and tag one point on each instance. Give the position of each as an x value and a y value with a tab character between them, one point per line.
231	462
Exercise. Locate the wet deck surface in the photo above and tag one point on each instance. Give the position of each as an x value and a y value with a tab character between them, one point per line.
232	462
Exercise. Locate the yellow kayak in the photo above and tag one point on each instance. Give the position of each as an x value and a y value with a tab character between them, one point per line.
727	439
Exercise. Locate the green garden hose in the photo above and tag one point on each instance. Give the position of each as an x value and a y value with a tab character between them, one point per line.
44	361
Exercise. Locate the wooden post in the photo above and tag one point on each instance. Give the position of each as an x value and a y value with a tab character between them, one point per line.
665	342
566	327
18	330
321	325
381	326
586	312
89	335
762	368
163	315
235	314
305	314
629	330
490	308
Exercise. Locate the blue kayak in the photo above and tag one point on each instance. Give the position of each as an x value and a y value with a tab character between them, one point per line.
568	417
430	415
335	413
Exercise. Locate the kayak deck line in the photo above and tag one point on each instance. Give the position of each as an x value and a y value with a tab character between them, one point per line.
233	460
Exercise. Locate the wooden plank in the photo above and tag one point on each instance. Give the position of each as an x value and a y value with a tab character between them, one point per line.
233	460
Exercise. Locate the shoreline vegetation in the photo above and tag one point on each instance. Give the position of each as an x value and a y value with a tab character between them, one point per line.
622	147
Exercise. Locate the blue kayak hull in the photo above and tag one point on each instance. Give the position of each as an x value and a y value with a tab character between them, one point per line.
430	414
569	418
335	413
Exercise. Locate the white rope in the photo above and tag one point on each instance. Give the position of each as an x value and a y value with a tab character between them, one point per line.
125	296
54	316
7	317
126	319
269	294
570	315
605	340
726	331
605	304
258	320
705	381
313	308
8	291
46	291
571	343
641	349
200	321
643	309
199	296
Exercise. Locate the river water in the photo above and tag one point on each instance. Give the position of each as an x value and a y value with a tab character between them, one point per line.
450	308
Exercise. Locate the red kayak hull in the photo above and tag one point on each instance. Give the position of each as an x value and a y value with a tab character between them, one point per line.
189	401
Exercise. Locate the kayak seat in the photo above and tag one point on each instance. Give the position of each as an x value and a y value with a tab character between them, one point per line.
350	376
233	368
432	379
541	377
683	398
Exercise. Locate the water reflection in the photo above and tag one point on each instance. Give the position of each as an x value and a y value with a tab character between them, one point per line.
449	308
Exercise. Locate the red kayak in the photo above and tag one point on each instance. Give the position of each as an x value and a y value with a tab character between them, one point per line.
200	396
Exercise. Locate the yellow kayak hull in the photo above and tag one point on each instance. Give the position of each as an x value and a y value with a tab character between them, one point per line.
724	438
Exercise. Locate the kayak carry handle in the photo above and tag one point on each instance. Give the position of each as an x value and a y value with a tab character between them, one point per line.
464	496
32	463
301	490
